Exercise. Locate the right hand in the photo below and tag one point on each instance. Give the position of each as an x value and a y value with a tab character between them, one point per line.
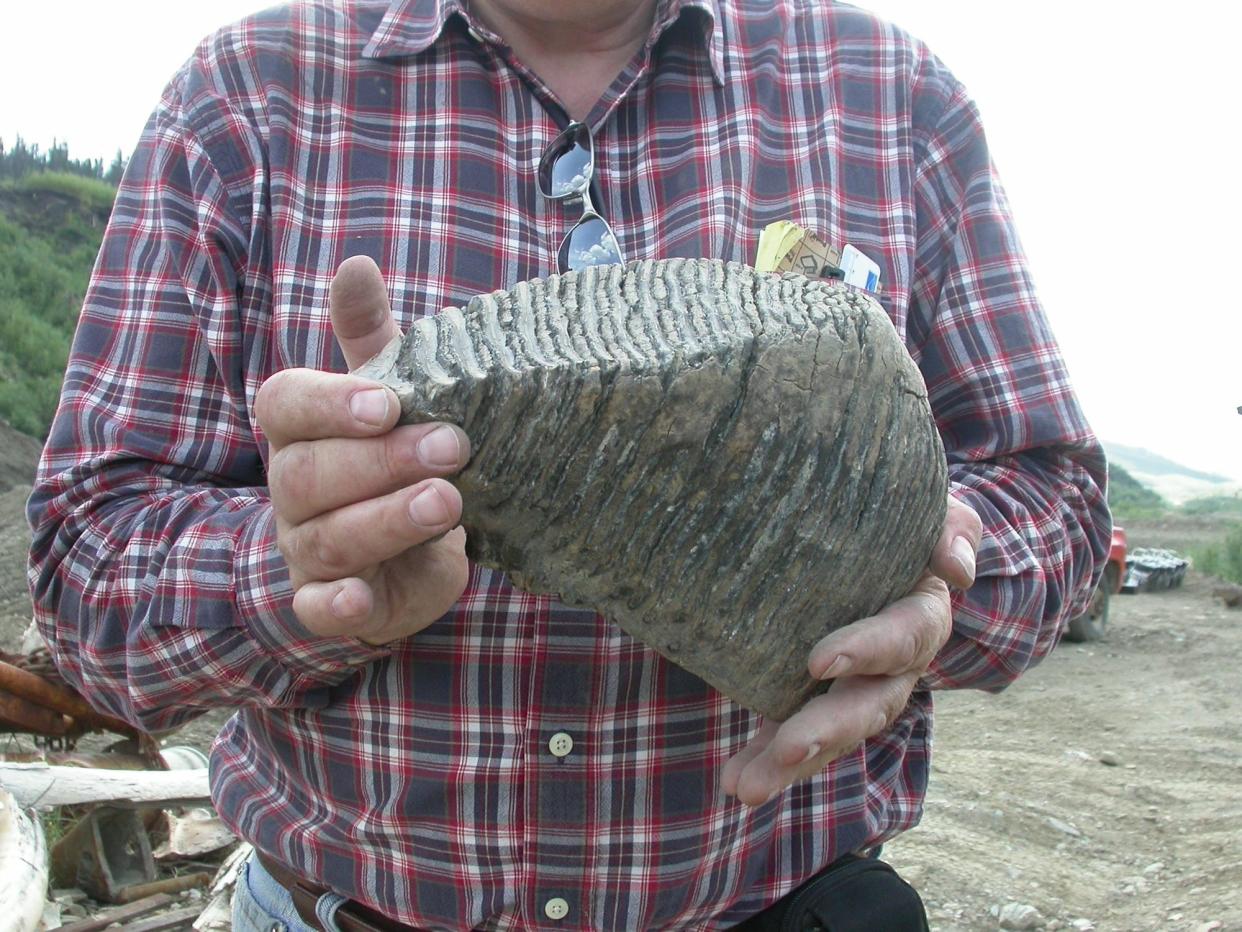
370	534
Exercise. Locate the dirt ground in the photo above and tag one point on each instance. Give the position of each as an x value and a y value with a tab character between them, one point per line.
1105	786
1103	791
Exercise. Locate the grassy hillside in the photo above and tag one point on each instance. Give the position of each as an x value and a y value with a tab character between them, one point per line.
1129	499
51	225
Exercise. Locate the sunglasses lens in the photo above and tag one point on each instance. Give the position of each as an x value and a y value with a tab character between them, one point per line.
590	242
565	168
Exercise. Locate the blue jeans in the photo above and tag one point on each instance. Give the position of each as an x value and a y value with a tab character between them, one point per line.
260	904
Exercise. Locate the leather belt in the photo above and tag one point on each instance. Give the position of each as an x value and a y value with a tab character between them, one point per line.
352	916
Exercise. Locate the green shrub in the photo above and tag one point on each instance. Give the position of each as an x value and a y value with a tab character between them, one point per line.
1215	506
92	194
1223	559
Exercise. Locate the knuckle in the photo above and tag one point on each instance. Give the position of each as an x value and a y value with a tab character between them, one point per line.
308	605
267	399
287	546
331	559
291	542
293	474
965	520
922	638
912	646
936	617
395	454
313	552
893	704
275	392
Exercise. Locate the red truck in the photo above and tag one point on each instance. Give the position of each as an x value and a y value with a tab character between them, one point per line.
1090	625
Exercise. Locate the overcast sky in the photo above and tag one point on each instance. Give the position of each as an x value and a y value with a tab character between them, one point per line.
1113	125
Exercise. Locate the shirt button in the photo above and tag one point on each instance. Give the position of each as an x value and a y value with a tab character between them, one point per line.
560	744
556	908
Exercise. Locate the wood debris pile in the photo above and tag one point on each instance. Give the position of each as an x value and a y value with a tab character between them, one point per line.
122	837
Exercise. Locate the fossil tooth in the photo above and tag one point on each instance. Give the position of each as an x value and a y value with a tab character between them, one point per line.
728	464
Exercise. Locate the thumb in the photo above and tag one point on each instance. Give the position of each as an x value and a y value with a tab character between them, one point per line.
361	316
953	558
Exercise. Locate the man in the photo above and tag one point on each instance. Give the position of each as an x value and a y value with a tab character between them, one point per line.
223	518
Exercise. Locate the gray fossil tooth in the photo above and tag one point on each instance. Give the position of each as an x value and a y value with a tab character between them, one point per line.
728	464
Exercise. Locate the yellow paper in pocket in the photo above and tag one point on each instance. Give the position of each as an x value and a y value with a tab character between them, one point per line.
775	240
787	247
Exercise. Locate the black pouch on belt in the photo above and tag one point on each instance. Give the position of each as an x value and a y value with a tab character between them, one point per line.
853	894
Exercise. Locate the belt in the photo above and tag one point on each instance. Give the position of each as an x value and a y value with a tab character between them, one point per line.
351	916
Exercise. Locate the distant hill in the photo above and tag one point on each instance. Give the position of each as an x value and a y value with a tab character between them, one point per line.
51	225
1138	460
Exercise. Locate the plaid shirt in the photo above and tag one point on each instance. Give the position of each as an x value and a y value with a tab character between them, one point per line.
419	777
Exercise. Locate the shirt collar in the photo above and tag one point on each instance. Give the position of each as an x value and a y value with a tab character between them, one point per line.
411	26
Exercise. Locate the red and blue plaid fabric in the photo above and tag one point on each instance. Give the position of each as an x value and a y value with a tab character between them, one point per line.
418	778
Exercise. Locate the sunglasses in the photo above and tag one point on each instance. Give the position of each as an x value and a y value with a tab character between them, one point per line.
565	172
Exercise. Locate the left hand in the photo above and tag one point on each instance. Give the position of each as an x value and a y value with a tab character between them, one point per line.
874	664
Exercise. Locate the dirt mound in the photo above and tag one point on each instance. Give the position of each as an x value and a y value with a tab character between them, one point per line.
19	455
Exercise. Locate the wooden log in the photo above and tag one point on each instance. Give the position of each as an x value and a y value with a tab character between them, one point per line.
23	867
41	785
58	698
23	715
167	885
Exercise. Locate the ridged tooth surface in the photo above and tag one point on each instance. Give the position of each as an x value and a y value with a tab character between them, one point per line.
727	464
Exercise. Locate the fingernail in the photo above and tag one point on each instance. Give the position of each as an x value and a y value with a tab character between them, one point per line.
812	751
428	509
964	555
839	667
440	447
342	605
370	406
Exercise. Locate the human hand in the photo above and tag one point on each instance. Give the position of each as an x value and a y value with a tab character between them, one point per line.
874	664
367	529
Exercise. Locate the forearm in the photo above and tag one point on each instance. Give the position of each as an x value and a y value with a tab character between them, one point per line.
1046	530
161	601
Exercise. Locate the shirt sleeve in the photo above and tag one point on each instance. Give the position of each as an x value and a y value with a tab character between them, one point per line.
154	571
1019	449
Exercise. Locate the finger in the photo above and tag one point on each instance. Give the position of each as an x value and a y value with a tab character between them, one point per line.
339	607
855	708
902	637
352	540
361	316
432	578
733	768
421	585
305	404
827	727
311	477
953	558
